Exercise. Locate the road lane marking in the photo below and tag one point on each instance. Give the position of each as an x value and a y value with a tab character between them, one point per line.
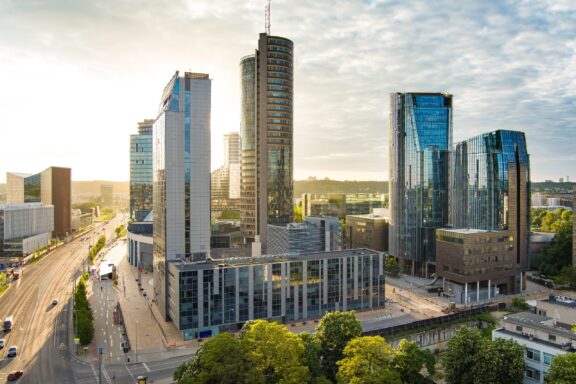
145	366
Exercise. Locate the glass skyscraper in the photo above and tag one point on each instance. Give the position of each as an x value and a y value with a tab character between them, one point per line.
141	171
491	188
181	179
420	141
267	131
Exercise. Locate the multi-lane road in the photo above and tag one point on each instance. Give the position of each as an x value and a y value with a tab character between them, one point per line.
41	329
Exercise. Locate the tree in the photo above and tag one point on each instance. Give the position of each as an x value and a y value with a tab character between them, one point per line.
410	360
219	360
312	356
367	360
230	214
460	355
273	354
334	331
392	266
499	362
519	305
85	326
563	370
558	253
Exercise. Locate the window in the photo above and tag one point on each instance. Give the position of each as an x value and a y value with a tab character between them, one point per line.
532	373
552	337
532	354
548	359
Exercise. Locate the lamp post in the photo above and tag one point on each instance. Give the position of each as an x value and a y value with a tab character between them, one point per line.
136	340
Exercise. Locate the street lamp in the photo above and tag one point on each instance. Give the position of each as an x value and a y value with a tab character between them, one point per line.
136	340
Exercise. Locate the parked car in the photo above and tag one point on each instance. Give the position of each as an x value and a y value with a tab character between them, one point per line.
1	343
54	301
12	351
15	375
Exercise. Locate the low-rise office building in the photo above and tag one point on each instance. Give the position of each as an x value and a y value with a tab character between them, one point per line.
140	249
368	231
315	234
475	264
221	295
24	228
544	334
341	204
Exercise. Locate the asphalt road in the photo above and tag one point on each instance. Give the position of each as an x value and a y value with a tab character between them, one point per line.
40	329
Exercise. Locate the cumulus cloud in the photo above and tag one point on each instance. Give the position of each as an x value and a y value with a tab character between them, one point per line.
509	65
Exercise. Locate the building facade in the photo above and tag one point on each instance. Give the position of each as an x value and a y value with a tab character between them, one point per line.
225	191
491	190
213	297
341	204
24	227
420	142
181	179
53	186
107	195
140	248
544	334
475	264
267	84
315	234
141	171
367	231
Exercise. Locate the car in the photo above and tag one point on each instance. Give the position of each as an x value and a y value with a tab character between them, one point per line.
12	351
1	343
15	375
54	301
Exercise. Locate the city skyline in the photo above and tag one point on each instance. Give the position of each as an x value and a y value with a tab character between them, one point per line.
509	66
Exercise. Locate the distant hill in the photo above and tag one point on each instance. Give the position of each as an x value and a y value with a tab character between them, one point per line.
93	187
552	186
335	186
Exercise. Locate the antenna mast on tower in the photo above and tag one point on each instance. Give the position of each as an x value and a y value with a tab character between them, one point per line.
267	14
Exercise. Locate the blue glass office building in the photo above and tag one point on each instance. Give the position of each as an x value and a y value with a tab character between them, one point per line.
420	140
141	171
181	179
492	188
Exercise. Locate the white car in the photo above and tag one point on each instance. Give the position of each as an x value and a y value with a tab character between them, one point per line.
54	301
1	343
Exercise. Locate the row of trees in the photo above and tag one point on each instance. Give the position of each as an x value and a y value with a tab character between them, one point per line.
267	352
470	358
83	312
551	221
97	248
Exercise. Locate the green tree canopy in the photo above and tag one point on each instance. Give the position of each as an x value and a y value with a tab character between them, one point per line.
558	253
219	360
312	356
563	370
334	331
410	360
273	354
460	355
367	360
499	362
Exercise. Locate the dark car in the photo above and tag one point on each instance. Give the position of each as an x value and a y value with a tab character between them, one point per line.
12	351
15	375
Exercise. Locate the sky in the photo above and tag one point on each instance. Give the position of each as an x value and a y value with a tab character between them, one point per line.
77	75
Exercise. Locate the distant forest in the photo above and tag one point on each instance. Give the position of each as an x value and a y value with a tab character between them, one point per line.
335	186
308	186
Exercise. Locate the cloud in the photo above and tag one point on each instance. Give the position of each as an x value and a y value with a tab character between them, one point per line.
509	65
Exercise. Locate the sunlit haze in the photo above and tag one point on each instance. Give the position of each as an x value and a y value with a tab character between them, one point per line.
76	76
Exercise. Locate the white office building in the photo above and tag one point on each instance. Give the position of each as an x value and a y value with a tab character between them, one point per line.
544	334
181	179
24	228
